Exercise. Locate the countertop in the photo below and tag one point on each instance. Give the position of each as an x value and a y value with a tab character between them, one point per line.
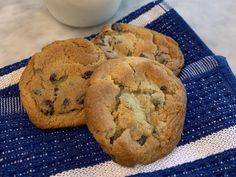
26	26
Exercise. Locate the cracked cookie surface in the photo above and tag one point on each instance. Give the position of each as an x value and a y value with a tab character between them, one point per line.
135	108
120	40
53	85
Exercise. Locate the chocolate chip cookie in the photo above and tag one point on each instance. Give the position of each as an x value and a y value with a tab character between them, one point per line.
119	40
135	108
53	85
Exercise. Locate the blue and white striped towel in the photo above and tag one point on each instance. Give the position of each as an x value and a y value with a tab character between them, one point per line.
208	143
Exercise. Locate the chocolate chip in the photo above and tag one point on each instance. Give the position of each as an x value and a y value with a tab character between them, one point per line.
87	74
53	77
162	60
51	112
47	107
48	102
66	102
154	132
121	87
129	53
163	88
101	40
45	112
156	102
142	140
115	136
142	55
73	110
158	54
55	80
162	57
80	99
116	27
111	140
37	92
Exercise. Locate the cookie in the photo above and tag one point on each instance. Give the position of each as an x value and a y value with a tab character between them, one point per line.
53	85
135	109
120	40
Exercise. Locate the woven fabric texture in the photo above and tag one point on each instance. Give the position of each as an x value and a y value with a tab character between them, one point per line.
207	146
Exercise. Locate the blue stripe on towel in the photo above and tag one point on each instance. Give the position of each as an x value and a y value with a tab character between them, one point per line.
8	69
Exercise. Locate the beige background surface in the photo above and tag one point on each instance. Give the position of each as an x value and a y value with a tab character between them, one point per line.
26	26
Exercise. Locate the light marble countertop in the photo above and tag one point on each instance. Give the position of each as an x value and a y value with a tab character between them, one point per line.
26	26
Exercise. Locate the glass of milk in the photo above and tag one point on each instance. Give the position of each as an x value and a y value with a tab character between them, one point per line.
82	13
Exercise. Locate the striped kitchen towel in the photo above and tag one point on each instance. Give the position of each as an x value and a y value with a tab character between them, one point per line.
208	143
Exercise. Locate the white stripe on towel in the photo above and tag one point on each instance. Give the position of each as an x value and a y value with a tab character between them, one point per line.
149	16
11	78
206	64
212	144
